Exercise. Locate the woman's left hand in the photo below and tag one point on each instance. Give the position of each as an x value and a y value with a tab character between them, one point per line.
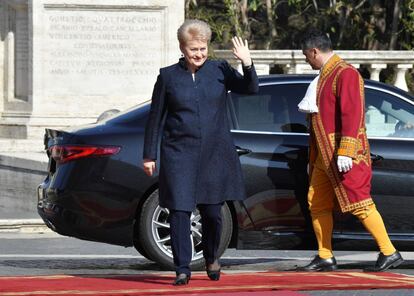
241	51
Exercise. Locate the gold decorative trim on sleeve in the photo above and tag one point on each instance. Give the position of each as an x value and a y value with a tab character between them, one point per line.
348	146
362	152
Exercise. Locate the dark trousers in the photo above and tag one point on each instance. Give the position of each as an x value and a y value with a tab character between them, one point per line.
180	229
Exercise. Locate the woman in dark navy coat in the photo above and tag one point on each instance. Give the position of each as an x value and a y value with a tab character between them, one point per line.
199	166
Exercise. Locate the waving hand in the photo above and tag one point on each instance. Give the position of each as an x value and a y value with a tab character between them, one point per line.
241	51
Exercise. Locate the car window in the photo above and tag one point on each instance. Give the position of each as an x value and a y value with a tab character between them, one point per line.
388	115
273	109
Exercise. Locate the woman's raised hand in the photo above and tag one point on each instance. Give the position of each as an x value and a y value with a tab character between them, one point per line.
241	51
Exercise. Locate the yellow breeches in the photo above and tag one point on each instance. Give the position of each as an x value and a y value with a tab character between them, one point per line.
321	199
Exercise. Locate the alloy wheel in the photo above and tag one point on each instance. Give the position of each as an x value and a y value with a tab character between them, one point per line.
160	228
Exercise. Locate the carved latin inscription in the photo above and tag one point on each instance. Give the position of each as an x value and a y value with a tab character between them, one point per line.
104	51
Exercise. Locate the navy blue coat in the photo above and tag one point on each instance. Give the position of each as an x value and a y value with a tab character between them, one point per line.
198	162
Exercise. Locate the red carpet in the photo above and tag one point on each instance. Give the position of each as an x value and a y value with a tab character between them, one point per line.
160	284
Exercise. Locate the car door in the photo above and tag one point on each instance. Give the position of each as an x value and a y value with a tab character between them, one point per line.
272	139
390	129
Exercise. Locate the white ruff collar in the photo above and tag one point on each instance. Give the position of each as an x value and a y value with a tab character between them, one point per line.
308	103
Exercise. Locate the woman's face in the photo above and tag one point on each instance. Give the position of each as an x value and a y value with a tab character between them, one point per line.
195	53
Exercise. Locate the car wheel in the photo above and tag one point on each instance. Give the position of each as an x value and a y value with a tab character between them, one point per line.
155	234
138	246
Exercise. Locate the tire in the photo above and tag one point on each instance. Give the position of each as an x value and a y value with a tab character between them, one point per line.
138	246
154	234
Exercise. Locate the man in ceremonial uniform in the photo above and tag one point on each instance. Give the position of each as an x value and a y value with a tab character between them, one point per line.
339	159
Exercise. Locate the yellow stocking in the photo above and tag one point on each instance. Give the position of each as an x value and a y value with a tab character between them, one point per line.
372	220
321	203
323	234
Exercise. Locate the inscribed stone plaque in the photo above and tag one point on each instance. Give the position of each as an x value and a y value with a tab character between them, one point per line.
93	55
105	51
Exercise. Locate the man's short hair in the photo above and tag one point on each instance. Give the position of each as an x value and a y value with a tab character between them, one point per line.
316	39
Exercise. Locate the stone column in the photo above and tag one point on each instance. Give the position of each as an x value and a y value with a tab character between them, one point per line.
305	69
262	68
289	68
299	68
16	66
9	66
400	78
21	49
2	45
16	108
375	70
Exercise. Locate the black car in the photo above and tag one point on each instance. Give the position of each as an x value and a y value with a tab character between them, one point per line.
96	188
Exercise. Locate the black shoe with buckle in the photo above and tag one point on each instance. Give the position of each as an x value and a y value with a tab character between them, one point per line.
320	264
181	279
385	262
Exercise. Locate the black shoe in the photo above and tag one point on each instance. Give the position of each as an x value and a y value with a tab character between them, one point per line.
320	264
213	274
181	279
385	262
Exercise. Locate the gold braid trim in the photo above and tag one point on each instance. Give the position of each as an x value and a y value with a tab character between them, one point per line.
348	146
358	205
330	65
362	149
344	66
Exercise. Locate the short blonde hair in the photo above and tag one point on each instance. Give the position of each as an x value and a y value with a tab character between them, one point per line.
193	29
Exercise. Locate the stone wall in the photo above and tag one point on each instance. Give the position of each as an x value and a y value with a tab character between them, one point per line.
19	178
67	61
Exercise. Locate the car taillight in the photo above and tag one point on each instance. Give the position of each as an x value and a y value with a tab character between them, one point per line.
64	153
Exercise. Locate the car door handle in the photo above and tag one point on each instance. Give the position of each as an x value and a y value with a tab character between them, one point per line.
376	157
242	151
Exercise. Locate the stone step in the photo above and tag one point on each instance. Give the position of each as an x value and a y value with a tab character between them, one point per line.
23	226
32	161
21	145
20	174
